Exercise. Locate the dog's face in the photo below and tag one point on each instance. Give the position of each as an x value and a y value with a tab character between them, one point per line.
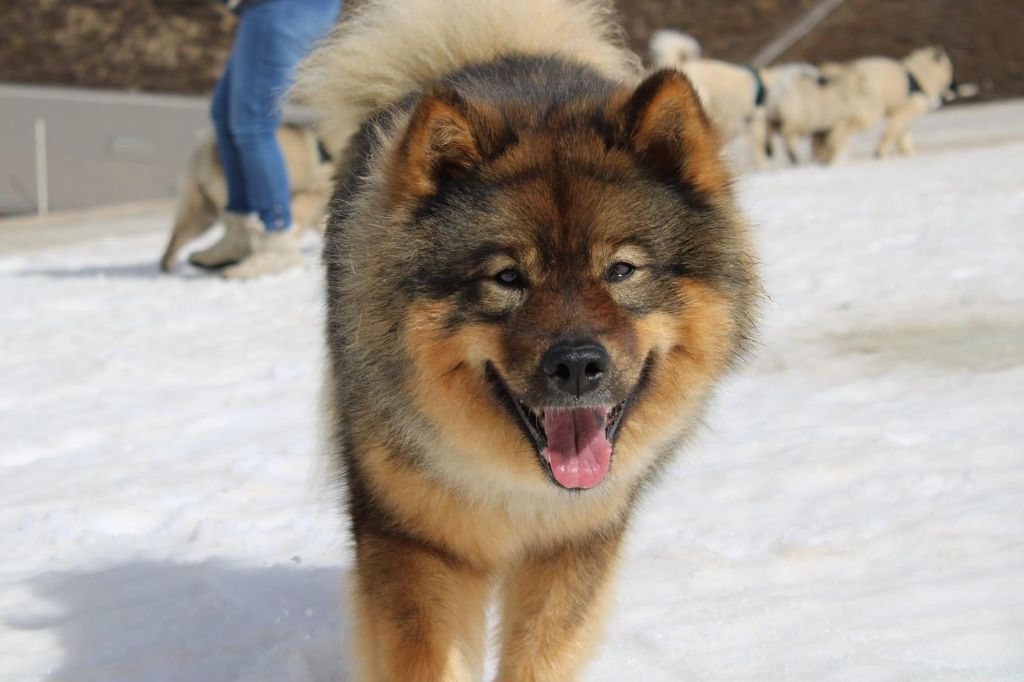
933	63
575	286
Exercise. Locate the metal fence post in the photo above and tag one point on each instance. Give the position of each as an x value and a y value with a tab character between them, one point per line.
42	187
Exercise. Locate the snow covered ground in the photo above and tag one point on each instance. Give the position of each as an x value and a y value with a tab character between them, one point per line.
854	511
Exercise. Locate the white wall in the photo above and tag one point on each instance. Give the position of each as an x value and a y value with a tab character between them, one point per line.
102	147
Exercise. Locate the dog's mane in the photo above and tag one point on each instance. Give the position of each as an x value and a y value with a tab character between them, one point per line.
385	50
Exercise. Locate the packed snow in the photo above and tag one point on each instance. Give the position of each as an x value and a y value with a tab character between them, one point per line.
854	509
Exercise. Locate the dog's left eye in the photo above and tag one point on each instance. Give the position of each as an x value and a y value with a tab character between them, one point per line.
619	271
511	278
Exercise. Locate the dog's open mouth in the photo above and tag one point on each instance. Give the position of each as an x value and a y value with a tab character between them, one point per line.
574	444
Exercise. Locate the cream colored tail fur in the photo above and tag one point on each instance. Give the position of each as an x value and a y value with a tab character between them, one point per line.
387	49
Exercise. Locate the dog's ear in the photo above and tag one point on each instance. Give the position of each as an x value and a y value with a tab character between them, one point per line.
443	140
669	131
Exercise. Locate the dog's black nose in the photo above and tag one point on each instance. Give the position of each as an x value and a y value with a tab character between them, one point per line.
575	368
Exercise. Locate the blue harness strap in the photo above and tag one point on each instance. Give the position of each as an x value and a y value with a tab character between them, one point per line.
760	94
325	155
913	85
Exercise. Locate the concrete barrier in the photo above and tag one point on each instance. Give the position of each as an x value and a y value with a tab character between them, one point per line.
101	147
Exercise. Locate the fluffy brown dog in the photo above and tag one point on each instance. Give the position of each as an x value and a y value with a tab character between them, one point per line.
206	192
536	274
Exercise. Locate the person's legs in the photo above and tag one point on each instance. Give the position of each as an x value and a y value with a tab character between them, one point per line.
255	114
272	37
235	243
230	161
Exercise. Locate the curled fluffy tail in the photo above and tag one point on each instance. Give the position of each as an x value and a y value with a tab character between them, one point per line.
387	49
669	49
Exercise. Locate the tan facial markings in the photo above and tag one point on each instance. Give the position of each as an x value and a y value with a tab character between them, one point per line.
563	233
449	386
494	264
691	350
629	253
496	297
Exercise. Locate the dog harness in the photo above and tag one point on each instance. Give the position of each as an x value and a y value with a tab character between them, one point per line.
914	85
321	148
760	94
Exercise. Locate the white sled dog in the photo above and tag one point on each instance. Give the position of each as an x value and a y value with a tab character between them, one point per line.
733	94
814	104
897	91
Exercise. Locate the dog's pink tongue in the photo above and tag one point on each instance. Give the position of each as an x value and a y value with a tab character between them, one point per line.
578	449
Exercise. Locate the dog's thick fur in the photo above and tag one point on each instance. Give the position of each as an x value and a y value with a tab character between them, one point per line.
505	163
205	196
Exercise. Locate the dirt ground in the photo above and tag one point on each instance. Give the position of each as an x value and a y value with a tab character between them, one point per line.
180	45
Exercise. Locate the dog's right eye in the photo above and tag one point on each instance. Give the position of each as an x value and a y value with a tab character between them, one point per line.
510	278
620	271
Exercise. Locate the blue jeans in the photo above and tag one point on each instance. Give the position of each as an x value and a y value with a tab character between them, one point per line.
273	36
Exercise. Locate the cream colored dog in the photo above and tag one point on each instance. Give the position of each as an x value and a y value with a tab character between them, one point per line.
779	80
733	95
898	92
812	103
206	195
734	98
729	91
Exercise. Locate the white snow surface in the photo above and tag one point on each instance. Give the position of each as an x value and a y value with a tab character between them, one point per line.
854	509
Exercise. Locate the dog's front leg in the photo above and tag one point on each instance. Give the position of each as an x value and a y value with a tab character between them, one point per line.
897	127
553	610
420	614
196	214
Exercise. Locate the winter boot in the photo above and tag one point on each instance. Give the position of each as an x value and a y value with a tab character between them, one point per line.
273	251
234	246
